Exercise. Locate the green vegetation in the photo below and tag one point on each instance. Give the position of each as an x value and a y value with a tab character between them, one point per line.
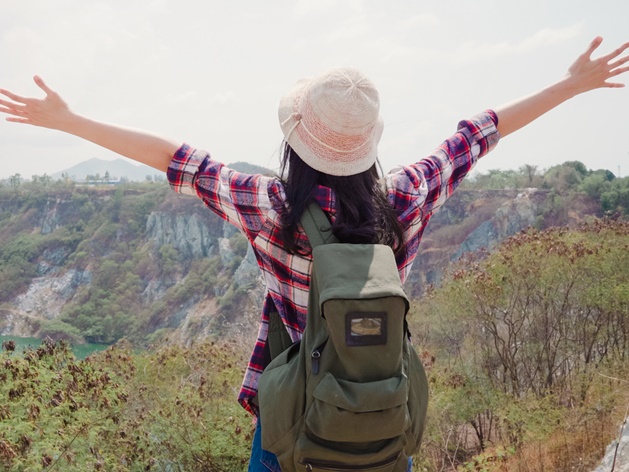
100	234
569	179
170	410
524	347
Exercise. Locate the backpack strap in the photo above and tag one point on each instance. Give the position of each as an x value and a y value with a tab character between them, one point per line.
319	232
317	226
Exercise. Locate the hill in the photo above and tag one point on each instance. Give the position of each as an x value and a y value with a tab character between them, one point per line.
98	169
103	262
102	170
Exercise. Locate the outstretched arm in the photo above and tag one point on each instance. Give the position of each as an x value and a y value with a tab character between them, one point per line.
584	75
52	112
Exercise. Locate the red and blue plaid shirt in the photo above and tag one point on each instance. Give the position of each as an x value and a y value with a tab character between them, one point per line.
255	203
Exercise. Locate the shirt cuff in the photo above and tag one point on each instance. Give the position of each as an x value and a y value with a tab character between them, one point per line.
184	168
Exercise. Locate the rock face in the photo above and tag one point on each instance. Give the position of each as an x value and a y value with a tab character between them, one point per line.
47	295
191	235
511	218
617	451
499	215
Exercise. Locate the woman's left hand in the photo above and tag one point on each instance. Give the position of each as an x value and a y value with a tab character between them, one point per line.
588	74
584	74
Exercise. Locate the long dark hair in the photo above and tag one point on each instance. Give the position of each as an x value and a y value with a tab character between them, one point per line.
363	214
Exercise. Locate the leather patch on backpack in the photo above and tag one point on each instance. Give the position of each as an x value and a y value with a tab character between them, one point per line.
365	329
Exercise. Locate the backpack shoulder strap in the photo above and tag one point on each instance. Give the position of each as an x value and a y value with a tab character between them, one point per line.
319	232
317	226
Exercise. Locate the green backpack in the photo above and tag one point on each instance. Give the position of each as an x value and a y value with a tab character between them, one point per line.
352	394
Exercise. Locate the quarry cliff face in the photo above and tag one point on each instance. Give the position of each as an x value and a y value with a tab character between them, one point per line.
59	280
471	221
192	233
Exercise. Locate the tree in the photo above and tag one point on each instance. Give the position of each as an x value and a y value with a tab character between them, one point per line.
531	176
15	180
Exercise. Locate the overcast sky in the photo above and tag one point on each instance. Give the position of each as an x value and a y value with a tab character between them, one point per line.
211	73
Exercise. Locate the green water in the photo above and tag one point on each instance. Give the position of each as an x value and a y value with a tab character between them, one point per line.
81	351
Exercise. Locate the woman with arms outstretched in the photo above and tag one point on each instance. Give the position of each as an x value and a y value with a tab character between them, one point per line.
331	128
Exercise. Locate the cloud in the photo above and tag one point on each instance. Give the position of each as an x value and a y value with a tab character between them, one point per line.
473	51
548	36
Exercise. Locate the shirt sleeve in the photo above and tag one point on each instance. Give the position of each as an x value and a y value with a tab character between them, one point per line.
239	198
418	190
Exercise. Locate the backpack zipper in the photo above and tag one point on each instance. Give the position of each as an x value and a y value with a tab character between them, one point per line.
312	465
315	356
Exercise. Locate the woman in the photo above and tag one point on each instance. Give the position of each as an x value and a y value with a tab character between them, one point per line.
331	127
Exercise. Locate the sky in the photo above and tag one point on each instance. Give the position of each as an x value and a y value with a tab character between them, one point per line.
211	73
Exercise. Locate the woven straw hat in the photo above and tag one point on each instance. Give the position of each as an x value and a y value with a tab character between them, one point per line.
332	121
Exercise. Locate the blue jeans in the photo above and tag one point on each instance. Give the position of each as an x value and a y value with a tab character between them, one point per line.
265	461
261	460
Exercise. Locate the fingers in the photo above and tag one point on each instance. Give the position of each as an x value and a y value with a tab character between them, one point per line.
24	100
613	85
16	112
11	105
13	96
618	71
42	85
616	64
596	42
18	120
616	52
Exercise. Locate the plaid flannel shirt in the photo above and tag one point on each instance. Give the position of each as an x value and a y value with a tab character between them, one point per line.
255	203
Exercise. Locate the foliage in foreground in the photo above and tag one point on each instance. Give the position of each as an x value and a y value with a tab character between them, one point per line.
171	410
524	350
530	348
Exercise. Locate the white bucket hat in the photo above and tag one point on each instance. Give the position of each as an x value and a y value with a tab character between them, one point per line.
332	121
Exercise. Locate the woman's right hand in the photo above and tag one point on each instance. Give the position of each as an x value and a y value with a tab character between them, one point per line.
52	112
48	112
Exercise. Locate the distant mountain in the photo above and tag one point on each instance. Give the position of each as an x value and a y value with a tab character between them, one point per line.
124	169
117	169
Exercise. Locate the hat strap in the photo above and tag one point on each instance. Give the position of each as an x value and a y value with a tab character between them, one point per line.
297	118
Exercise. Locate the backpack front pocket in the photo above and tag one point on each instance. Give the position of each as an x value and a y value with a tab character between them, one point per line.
353	412
386	465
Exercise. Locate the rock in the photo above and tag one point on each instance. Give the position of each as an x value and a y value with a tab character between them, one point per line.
248	272
225	251
511	218
15	323
621	452
47	295
50	218
52	260
191	235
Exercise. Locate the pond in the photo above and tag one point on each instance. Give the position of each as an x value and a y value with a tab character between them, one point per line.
81	351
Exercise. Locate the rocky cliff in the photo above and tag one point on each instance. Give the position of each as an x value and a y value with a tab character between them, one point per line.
186	272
